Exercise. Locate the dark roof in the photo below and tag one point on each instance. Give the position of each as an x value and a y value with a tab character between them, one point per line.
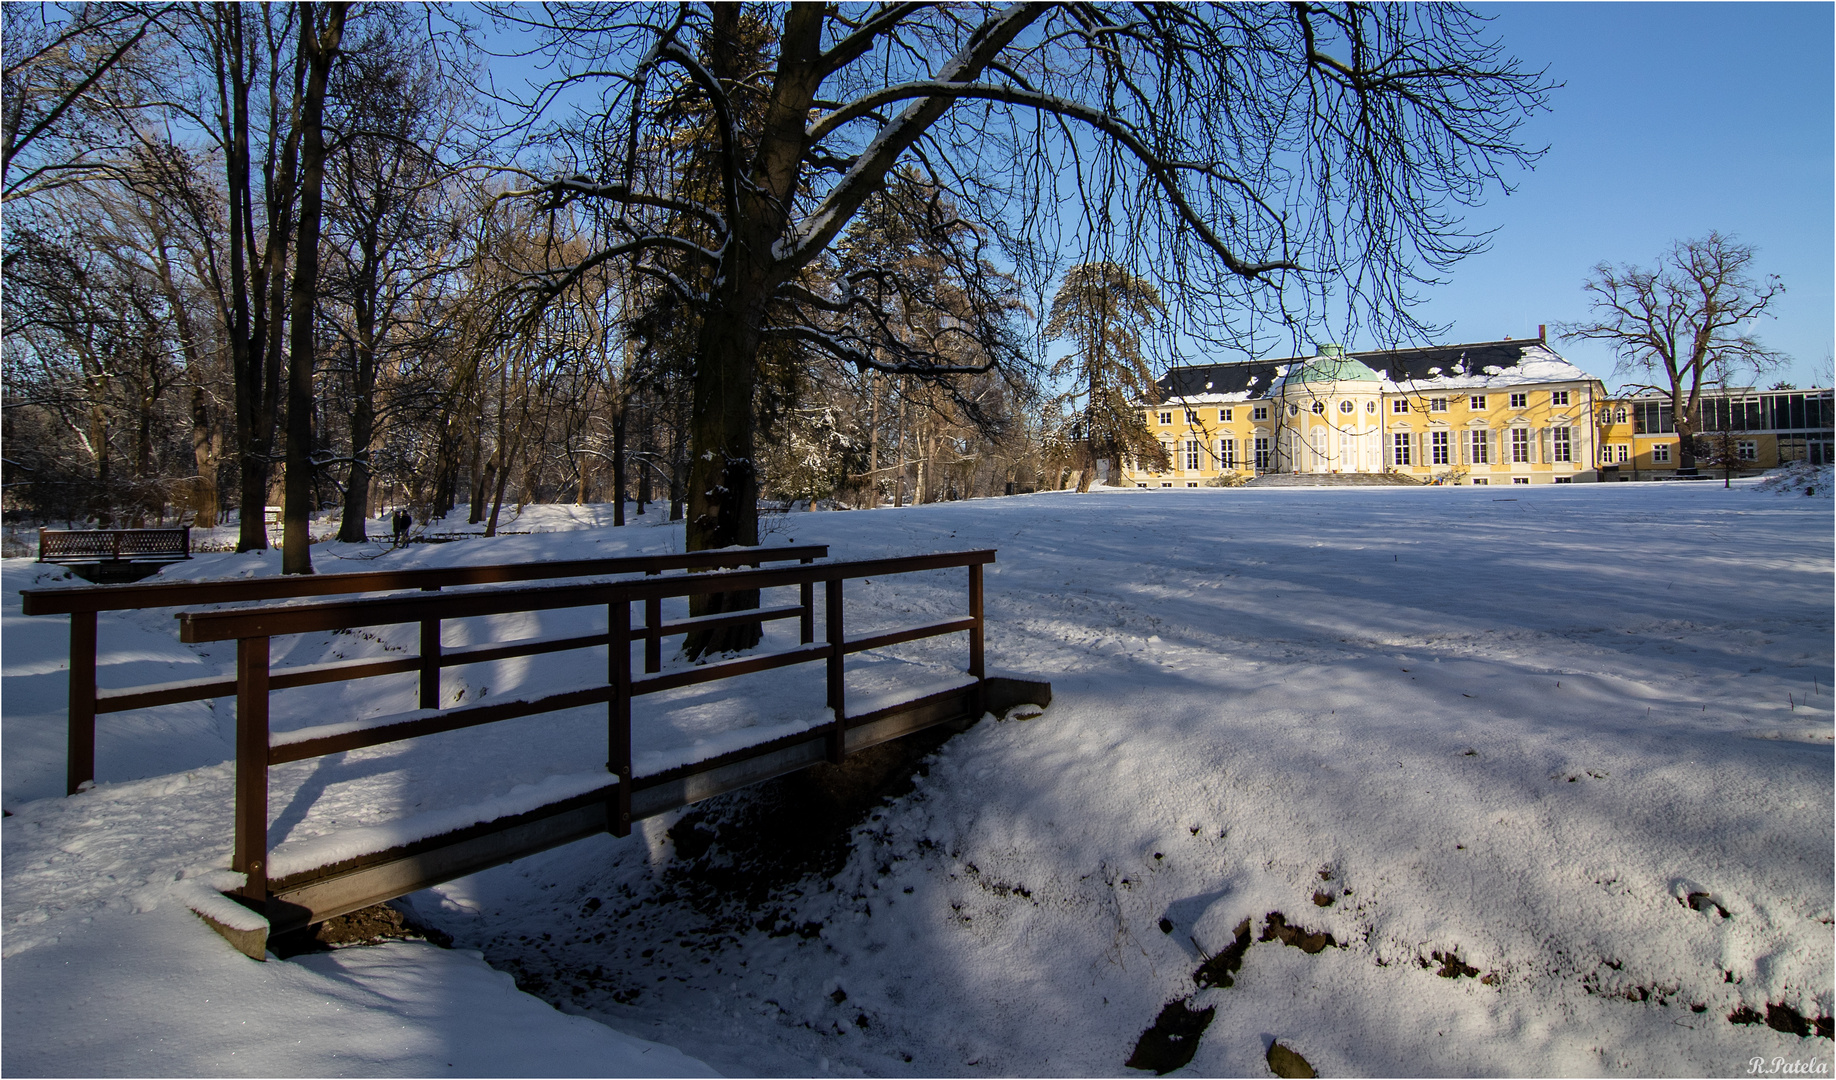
1404	365
1245	376
1398	365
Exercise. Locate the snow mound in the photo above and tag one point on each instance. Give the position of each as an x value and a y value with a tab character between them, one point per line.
1800	478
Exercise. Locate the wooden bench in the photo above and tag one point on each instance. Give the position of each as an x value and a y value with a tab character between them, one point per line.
114	555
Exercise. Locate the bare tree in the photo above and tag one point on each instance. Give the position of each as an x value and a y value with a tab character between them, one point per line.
1683	325
1248	159
68	82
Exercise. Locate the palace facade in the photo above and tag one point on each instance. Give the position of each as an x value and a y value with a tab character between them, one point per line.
1486	413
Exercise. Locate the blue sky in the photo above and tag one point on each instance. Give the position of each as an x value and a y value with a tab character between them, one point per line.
1675	119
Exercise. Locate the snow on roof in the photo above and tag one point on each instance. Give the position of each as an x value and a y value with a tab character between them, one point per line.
1473	366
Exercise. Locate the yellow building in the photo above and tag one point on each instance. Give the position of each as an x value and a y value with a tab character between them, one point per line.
1765	428
1498	412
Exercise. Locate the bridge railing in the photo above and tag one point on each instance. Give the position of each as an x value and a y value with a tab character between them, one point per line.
253	628
83	603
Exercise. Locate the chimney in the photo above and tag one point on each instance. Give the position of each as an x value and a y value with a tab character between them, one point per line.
1542	332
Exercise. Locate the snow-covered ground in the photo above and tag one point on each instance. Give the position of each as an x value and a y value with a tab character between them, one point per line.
1495	769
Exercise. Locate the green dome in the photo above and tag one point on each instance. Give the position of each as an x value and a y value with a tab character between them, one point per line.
1331	366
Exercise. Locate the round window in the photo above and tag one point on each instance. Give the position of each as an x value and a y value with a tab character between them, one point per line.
1319	408
1370	406
1294	410
1346	406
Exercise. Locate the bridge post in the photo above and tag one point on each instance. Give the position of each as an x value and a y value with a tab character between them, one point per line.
976	670
80	742
806	595
251	853
618	710
838	731
430	663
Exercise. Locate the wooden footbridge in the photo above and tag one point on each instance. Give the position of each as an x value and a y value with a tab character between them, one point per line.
300	896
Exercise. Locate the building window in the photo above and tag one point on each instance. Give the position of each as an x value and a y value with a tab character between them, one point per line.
1262	451
1190	483
1294	410
1170	448
1520	479
1260	412
1625	452
1141	485
1437	444
1520	446
1619	415
1481	445
1564	447
1224	415
1399	444
1165	484
1438	404
1399	405
1477	401
1746	450
1660	452
1558	397
1481	482
1166	418
1370	407
1192	416
1227	453
1606	453
1319	408
1192	455
1346	406
1520	401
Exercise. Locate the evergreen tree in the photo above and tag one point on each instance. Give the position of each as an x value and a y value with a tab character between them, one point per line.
1101	308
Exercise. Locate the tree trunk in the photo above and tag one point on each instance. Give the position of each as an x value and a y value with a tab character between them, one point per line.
363	432
618	465
206	451
317	50
723	508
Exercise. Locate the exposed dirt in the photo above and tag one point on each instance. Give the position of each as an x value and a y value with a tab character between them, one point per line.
1782	1017
1221	970
740	850
365	926
1277	929
1174	1037
1286	1063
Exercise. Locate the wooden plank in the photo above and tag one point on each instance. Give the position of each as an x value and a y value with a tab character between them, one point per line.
533	647
247	590
880	641
702	673
450	720
303	899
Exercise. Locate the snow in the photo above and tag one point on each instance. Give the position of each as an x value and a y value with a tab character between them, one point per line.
1525	738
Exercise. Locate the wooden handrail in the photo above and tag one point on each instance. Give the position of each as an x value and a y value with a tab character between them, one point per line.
83	603
341	614
253	629
248	590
